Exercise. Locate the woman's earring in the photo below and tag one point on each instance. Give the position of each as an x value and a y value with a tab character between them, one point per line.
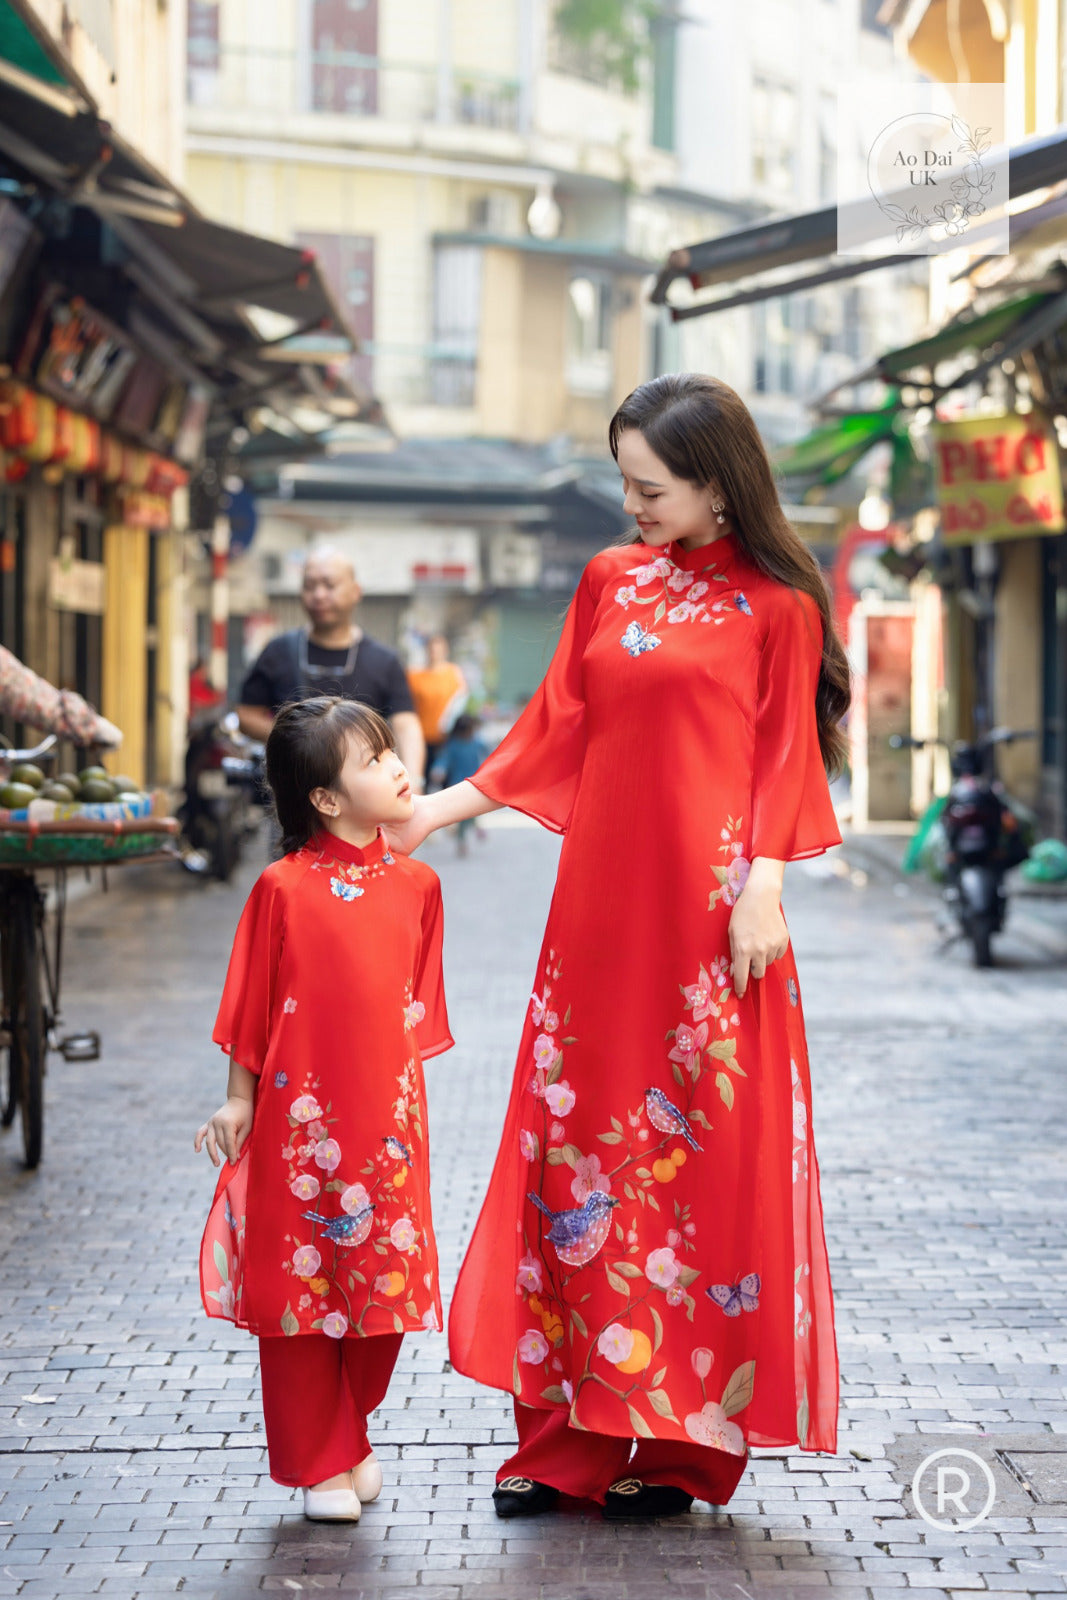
719	506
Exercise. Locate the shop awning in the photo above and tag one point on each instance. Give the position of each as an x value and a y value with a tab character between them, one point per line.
834	448
811	236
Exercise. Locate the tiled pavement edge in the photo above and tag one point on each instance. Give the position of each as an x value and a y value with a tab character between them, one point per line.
131	1456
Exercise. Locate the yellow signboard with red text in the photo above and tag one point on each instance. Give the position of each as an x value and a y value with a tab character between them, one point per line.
997	478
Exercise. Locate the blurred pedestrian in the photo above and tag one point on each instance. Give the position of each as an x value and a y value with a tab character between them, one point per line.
203	696
648	1275
332	656
440	692
333	997
460	757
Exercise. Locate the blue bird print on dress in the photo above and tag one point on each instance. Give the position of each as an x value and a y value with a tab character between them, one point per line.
667	1118
737	1297
742	604
398	1151
637	641
579	1234
347	1230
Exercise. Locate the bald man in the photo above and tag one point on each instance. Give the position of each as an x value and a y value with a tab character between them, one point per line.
332	656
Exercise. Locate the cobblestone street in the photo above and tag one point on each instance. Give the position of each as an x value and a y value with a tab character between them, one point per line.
132	1460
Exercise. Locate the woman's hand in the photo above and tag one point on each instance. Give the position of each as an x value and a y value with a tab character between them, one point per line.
758	934
227	1129
404	837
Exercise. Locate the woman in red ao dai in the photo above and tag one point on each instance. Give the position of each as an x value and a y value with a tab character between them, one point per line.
648	1275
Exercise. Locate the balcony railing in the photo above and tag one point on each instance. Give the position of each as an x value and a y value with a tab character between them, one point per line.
345	83
423	375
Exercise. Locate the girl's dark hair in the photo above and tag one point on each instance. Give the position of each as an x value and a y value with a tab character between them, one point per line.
306	750
702	431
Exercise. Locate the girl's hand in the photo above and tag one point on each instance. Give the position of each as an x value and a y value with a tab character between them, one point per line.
404	837
758	934
228	1129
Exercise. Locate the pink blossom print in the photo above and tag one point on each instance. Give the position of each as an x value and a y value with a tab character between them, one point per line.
402	1234
560	1098
305	1108
414	1013
528	1144
544	1050
533	1347
688	1043
662	1267
587	1177
335	1326
529	1276
711	1426
616	1343
699	997
305	1187
306	1261
290	1006
328	1155
354	1198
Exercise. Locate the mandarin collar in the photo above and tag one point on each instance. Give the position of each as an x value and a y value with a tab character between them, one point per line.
717	556
331	847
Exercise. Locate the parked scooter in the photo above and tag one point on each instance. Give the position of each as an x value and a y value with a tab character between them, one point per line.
225	792
983	836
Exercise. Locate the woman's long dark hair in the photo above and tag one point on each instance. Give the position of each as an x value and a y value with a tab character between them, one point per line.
703	432
306	750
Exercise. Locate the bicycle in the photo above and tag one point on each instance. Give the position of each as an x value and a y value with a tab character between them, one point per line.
31	952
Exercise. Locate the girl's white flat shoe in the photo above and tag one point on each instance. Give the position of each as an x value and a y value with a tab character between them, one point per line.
367	1480
331	1505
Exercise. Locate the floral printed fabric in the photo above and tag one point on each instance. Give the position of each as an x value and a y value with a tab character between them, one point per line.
650	1255
333	998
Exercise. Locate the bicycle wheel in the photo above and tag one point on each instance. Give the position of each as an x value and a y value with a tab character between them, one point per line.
28	1031
9	1072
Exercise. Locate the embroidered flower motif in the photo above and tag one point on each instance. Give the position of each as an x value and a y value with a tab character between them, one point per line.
660	567
560	1098
289	1007
568	1390
636	641
556	1132
702	1360
587	1177
624	596
736	877
533	1347
683	612
305	1187
328	1155
306	1261
316	1130
528	1144
281	1079
698	997
680	579
343	890
551	1022
662	1267
528	1276
544	1050
335	1326
688	1043
616	1343
413	1014
305	1108
698	591
354	1198
711	1426
403	1234
675	1295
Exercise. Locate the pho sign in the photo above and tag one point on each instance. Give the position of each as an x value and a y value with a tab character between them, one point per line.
997	478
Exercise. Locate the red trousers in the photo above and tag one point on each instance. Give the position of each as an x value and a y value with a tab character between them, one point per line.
317	1395
586	1464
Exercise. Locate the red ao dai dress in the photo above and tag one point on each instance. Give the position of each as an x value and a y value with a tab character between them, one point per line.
650	1260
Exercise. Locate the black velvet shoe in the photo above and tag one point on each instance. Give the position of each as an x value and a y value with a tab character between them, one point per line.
630	1500
523	1497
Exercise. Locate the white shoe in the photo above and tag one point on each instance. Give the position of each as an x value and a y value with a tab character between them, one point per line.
331	1505
367	1480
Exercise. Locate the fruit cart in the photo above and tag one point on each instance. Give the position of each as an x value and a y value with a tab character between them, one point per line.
48	834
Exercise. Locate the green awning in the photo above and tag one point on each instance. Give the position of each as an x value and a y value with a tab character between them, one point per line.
975	333
828	452
20	47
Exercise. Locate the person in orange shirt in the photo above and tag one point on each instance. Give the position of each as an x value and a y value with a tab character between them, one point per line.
440	692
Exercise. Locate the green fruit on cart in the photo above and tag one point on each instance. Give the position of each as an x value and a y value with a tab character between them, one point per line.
123	785
91	772
96	791
13	796
57	791
26	772
69	781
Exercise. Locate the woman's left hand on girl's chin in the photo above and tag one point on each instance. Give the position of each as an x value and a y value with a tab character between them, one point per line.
758	934
404	837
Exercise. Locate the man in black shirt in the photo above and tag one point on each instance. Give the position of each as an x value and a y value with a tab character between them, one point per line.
332	656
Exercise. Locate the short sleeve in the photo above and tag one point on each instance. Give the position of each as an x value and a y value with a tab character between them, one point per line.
396	690
242	1026
432	1030
792	814
262	686
537	766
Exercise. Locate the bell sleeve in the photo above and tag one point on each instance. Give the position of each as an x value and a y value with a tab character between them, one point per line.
242	1026
432	1032
537	766
792	814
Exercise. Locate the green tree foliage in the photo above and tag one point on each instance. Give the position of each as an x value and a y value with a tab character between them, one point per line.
610	38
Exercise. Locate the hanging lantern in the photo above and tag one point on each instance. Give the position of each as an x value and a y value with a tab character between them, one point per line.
43	443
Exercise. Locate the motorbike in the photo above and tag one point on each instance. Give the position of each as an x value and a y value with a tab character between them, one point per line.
225	794
983	836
